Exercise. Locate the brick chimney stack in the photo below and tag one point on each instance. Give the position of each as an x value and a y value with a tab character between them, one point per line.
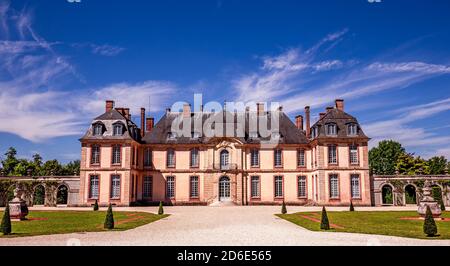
126	112
299	122
308	121
340	105
109	105
330	108
322	115
142	122
150	123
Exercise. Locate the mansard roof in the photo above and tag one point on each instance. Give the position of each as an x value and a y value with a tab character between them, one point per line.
342	120
289	134
108	120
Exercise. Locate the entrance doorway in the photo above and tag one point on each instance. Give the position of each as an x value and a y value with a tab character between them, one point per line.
410	195
224	189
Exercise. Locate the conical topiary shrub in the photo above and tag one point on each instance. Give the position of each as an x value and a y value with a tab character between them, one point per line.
96	206
161	209
283	208
429	227
442	204
109	220
352	208
5	227
324	223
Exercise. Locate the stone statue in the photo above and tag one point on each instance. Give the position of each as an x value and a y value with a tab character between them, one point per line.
17	207
428	200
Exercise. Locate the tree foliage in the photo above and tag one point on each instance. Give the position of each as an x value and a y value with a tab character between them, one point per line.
5	226
429	226
283	208
324	223
407	164
437	165
161	209
383	159
109	220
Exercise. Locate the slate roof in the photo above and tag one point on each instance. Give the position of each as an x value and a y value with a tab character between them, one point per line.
342	120
289	134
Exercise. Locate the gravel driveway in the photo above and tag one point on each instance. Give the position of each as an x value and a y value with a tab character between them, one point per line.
217	226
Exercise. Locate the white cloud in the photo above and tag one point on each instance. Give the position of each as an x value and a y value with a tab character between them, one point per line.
106	50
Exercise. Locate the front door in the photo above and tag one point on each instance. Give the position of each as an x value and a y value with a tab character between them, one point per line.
224	189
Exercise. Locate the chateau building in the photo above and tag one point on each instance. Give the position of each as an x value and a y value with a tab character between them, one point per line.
302	164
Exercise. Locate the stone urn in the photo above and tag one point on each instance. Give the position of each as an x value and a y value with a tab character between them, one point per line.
18	209
428	201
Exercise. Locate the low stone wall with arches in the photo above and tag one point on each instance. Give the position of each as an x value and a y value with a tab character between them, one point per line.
401	190
49	191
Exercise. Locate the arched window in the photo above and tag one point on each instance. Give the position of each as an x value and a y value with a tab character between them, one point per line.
97	129
118	129
224	158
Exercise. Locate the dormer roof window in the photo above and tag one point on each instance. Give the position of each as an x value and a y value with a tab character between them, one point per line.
97	129
118	129
172	135
331	129
352	129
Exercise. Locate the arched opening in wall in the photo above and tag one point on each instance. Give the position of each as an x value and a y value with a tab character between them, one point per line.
224	189
62	195
39	195
388	196
410	195
437	193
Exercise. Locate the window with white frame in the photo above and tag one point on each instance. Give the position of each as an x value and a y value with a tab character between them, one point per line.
170	187
314	132
118	129
94	186
353	154
148	158
195	158
170	158
332	154
194	183
334	186
301	162
224	158
278	158
116	154
254	158
355	185
147	189
278	186
98	129
331	129
95	154
352	129
255	187
115	186
302	186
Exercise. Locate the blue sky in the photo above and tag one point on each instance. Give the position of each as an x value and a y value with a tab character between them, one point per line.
59	61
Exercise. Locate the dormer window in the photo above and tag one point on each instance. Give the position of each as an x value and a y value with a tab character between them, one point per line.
172	135
331	129
352	129
118	129
98	129
314	132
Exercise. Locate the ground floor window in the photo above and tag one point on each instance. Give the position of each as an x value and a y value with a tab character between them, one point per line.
170	187
278	186
115	186
194	187
302	186
148	187
334	186
355	186
94	186
255	187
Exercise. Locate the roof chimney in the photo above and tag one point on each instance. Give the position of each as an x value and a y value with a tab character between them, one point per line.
340	105
150	123
168	110
299	122
322	115
109	105
186	110
142	122
308	121
260	108
329	108
126	112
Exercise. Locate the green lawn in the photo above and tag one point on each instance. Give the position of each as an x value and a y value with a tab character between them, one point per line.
62	222
379	223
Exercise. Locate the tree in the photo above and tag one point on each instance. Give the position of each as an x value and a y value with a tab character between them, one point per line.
72	168
352	208
5	226
437	165
96	206
324	224
407	164
109	220
10	162
383	159
437	196
283	208
52	167
429	226
161	209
